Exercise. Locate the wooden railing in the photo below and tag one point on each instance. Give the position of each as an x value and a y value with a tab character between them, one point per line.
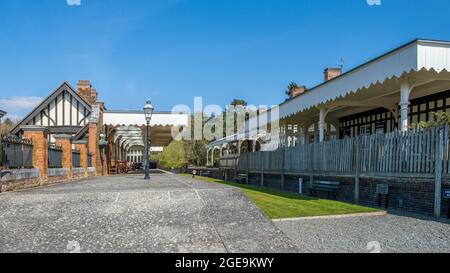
412	152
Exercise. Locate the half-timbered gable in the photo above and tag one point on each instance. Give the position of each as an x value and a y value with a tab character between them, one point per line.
63	112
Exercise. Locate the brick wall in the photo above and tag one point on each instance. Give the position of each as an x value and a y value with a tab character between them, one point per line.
408	194
20	179
40	150
413	195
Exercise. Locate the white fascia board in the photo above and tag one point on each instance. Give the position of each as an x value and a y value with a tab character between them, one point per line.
138	119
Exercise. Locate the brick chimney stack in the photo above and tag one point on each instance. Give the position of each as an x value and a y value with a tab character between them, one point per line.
297	91
331	73
84	89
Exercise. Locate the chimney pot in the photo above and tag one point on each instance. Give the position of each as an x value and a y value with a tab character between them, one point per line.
331	73
297	91
84	89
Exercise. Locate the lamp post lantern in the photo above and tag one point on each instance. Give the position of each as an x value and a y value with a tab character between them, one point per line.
102	145
148	112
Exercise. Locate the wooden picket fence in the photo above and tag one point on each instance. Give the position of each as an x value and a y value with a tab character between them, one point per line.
412	152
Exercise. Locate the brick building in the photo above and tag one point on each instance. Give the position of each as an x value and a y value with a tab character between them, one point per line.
75	118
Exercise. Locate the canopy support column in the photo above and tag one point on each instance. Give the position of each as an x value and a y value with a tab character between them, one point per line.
322	124
406	87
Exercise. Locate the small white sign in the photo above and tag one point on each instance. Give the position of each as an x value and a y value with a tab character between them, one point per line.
374	2
74	2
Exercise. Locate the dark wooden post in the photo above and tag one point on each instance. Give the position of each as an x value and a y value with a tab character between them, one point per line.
247	171
282	167
261	161
357	174
236	165
311	165
438	172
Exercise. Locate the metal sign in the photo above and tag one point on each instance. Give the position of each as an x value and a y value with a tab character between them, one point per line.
447	193
383	189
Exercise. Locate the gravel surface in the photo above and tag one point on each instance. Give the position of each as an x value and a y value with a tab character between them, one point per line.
129	214
386	234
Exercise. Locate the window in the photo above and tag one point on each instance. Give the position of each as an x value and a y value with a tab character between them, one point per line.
365	129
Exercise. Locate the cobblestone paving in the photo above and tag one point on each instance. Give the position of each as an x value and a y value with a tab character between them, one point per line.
128	214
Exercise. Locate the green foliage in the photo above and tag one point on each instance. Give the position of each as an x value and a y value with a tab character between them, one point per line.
291	87
173	156
237	102
7	125
195	152
439	118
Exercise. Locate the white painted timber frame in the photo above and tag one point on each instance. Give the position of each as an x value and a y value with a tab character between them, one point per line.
137	118
417	56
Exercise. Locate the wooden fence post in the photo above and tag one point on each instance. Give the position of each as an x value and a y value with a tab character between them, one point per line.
357	158
311	165
438	172
261	161
282	167
226	168
236	162
247	170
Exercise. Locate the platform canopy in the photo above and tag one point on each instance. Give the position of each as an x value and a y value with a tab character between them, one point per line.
129	127
137	118
390	81
129	136
425	64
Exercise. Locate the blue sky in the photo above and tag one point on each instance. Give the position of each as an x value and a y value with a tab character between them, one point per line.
173	50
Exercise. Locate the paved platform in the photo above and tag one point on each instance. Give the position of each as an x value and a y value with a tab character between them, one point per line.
392	233
126	213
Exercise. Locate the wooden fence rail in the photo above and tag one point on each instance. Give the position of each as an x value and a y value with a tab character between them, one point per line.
416	153
412	152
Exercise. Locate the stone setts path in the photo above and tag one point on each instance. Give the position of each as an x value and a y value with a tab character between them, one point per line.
126	213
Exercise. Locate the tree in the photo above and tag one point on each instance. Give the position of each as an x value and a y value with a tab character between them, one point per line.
290	88
237	102
173	156
439	118
195	149
7	126
196	152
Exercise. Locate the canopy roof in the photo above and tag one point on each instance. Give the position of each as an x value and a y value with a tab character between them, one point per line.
373	84
415	56
419	59
137	118
129	136
130	127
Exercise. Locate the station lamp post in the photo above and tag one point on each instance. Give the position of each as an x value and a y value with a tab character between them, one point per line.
148	111
102	145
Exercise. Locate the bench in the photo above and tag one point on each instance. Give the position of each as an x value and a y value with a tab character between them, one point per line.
329	187
241	178
205	173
